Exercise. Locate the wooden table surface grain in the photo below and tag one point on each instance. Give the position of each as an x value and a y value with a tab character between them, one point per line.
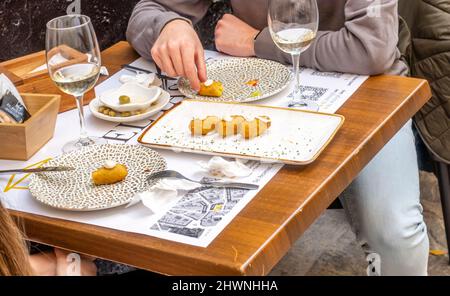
270	224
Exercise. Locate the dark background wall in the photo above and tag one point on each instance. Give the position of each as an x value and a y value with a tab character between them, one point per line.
22	22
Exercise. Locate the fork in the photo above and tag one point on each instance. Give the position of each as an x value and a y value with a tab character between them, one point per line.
140	70
177	175
164	81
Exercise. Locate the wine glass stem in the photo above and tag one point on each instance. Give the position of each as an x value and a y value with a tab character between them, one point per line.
83	133
296	65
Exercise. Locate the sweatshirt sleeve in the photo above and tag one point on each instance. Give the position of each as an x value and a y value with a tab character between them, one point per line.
367	44
150	16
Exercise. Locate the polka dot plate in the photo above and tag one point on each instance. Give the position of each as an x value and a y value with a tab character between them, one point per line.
244	79
75	191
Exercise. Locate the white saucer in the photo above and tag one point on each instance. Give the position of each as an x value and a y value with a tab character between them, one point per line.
160	103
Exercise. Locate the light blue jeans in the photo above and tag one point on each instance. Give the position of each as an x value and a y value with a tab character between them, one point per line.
383	206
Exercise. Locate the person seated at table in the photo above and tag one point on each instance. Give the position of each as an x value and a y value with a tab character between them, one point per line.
383	202
16	261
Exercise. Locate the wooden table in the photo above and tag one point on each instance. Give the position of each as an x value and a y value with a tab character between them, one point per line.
264	230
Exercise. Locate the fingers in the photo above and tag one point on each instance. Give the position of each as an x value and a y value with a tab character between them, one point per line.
169	59
155	56
162	58
190	70
167	65
200	63
175	56
187	61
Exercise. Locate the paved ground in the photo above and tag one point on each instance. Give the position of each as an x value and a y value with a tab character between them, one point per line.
329	247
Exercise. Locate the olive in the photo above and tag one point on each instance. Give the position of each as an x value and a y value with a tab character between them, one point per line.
124	100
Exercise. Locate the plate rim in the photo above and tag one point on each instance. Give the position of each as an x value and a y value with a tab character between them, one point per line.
226	154
251	99
33	178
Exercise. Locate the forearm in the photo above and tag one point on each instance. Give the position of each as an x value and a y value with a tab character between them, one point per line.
149	17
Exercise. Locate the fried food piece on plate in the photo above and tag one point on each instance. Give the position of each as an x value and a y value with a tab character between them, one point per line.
110	173
202	127
211	88
255	128
230	126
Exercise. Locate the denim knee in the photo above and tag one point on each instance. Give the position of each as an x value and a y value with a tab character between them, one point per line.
399	233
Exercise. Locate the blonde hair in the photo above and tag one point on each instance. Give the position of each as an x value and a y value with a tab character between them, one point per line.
14	258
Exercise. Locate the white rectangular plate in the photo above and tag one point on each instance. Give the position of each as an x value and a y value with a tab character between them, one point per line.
296	137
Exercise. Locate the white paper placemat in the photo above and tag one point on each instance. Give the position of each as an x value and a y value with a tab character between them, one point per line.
198	217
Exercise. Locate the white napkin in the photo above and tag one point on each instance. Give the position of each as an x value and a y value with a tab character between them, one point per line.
163	194
104	71
168	191
219	167
142	78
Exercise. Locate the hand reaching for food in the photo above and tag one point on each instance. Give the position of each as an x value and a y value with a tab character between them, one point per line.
179	52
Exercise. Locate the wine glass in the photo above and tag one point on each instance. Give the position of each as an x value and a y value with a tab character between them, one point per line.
73	62
293	25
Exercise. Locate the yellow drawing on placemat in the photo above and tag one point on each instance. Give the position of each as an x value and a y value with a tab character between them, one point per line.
218	208
16	185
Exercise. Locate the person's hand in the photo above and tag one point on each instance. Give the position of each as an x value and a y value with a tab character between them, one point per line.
179	52
235	37
71	264
43	264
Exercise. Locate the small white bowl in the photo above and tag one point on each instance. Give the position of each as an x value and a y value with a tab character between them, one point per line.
160	103
141	97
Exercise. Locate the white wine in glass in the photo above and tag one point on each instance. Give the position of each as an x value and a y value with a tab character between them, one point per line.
76	79
293	25
73	62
